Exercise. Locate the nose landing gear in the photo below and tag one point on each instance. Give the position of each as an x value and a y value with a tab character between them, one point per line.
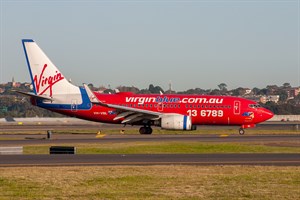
241	131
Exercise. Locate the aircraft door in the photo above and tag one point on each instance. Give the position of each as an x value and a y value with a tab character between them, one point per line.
160	107
74	105
237	107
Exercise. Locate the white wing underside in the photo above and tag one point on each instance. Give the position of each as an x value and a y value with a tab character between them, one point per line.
127	114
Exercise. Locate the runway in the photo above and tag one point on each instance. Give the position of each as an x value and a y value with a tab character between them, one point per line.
150	159
10	140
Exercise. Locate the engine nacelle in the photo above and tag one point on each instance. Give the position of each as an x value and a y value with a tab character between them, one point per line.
176	122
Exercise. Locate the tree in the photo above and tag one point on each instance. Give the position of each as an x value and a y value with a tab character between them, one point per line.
238	91
263	91
91	86
272	89
128	89
287	85
108	91
144	91
223	87
215	92
283	95
256	90
155	90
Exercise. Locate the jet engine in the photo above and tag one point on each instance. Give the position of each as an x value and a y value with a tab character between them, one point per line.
176	122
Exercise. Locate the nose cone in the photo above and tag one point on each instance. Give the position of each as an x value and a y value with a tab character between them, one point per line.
266	114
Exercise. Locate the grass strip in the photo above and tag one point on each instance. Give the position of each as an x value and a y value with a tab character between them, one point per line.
150	182
165	147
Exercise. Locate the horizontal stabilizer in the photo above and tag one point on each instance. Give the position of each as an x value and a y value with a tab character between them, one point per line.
30	94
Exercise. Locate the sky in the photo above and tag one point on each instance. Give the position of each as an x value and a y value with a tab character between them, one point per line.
192	43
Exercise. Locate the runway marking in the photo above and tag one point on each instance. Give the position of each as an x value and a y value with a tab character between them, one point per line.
224	135
100	135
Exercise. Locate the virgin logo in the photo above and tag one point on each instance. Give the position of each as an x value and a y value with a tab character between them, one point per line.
43	83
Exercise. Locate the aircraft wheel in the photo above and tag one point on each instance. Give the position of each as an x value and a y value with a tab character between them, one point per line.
143	130
194	127
149	130
241	131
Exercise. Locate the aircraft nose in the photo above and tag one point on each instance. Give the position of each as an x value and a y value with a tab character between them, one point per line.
267	114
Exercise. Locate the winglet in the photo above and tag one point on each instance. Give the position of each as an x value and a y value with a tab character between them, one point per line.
91	95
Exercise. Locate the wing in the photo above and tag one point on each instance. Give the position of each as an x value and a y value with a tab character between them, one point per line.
128	114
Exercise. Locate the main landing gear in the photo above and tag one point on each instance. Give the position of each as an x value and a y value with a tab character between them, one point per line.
145	130
241	131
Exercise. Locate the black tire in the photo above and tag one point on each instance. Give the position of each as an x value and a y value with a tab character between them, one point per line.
194	127
241	131
143	130
149	130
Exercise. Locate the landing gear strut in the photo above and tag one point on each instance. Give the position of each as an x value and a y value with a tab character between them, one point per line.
145	130
241	131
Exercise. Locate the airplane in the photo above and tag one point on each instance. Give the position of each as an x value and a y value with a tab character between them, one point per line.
52	91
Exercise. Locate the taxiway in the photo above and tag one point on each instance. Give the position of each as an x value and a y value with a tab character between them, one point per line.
150	159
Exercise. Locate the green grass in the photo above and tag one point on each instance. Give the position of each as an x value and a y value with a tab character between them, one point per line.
14	188
151	182
165	147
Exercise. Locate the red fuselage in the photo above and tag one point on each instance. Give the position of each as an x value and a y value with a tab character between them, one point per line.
203	109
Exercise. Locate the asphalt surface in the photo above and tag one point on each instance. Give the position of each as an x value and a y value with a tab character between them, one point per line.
14	126
150	159
143	159
9	140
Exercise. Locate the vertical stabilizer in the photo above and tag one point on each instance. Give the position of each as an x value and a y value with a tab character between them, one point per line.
46	79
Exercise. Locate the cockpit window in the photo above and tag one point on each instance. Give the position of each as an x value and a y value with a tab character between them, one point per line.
254	106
